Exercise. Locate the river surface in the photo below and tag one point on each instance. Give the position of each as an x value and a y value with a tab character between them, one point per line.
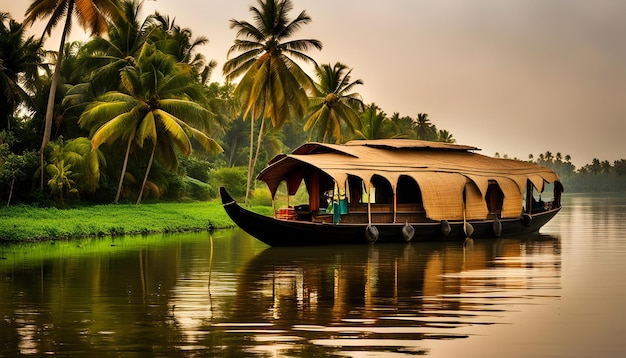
561	293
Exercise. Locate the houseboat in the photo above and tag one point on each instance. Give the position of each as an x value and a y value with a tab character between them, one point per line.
399	190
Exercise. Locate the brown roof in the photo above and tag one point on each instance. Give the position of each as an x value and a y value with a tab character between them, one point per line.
443	171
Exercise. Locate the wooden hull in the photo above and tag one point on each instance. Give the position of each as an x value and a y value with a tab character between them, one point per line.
276	232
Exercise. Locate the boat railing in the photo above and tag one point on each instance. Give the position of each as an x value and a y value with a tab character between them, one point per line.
379	213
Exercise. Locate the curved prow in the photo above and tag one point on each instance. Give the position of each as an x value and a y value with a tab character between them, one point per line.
226	198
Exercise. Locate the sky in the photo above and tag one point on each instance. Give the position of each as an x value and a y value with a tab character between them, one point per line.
513	77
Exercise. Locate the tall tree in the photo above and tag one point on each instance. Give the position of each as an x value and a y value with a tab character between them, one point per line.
445	136
375	125
160	105
20	59
424	128
85	166
403	126
179	42
109	55
91	15
273	85
334	106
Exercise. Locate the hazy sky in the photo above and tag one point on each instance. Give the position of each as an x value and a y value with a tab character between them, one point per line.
514	77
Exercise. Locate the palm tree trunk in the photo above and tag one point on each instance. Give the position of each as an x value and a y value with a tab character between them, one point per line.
11	191
119	186
231	157
252	165
250	160
145	177
259	140
47	132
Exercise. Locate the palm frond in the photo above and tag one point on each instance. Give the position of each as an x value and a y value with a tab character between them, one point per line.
175	128
122	126
99	112
194	113
146	129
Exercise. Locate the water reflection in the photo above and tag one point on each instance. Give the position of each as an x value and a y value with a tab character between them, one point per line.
387	298
229	295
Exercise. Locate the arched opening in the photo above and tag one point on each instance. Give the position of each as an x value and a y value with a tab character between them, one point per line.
408	192
494	198
382	191
410	207
355	190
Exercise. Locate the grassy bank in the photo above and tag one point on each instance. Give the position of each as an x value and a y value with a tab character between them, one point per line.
25	223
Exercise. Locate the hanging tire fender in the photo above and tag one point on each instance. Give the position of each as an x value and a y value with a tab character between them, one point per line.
446	229
371	234
408	232
497	227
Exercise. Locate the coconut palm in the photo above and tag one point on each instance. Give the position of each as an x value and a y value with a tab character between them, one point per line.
333	106
105	57
90	14
272	86
375	125
445	136
424	128
125	37
20	59
61	181
403	126
157	106
179	42
76	154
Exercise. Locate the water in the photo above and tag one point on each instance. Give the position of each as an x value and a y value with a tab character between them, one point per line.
557	294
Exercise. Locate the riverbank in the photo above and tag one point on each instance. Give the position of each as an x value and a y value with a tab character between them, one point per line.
26	223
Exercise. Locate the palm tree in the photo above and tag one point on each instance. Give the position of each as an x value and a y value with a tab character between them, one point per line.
76	154
334	105
61	180
424	128
109	55
91	14
20	59
105	57
375	125
174	40
596	166
403	126
273	85
158	106
445	136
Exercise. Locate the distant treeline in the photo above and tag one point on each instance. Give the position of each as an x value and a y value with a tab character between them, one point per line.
597	176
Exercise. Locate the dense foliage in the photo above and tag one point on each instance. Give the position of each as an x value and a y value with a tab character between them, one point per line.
131	114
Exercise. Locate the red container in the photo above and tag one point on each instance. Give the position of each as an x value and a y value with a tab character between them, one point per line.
286	214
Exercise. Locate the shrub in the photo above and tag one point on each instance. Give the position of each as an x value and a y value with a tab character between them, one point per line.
175	186
195	168
233	179
261	197
198	190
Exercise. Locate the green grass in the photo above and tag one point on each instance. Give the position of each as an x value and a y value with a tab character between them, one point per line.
25	223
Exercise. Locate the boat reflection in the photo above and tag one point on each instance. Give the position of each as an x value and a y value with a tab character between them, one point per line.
392	295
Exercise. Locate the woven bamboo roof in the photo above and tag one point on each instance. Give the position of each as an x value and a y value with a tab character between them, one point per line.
443	171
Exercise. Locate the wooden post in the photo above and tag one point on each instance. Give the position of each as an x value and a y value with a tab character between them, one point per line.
369	203
395	206
529	197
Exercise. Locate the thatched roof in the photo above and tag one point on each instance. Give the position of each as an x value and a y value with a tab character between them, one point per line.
443	171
